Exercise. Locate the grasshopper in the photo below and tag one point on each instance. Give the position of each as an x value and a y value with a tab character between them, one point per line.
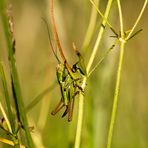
69	78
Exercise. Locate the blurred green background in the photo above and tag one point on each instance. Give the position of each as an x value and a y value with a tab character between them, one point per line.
36	66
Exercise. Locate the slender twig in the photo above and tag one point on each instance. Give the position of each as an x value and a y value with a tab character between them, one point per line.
9	142
38	98
101	14
90	28
116	94
14	73
80	117
103	57
138	19
118	79
5	117
7	98
95	49
121	19
123	40
92	57
6	141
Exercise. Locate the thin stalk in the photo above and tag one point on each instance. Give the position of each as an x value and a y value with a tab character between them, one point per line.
80	117
118	79
121	18
9	142
5	117
81	97
138	19
116	94
100	13
7	98
15	78
6	141
38	98
95	49
14	142
103	57
91	27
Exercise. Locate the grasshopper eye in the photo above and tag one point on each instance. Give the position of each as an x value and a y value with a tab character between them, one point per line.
75	67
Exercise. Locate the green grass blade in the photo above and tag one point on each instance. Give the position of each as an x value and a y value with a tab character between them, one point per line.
7	98
38	98
14	74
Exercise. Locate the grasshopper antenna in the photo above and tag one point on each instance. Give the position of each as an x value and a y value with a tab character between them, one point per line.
55	32
58	41
46	24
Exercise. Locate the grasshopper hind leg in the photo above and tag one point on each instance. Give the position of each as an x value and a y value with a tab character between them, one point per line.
58	107
71	106
66	111
69	110
70	113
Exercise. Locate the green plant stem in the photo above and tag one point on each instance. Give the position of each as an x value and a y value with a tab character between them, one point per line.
38	98
95	49
100	13
14	142
138	19
11	125
6	141
15	78
102	59
116	94
5	116
81	97
90	28
80	117
117	87
121	19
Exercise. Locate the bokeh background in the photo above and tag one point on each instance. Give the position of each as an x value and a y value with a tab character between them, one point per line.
36	67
